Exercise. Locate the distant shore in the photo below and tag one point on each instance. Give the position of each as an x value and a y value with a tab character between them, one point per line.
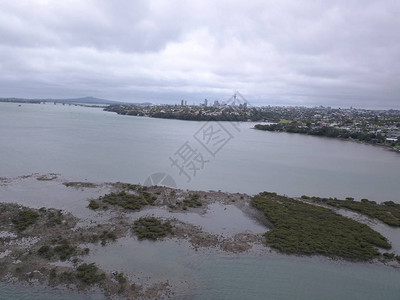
262	127
244	114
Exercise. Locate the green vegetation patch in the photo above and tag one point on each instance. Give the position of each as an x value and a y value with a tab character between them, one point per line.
151	228
387	212
89	274
129	201
192	201
85	274
63	250
301	228
54	218
46	251
93	205
24	219
106	236
121	278
327	131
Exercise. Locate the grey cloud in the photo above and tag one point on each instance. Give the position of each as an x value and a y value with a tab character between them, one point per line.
339	53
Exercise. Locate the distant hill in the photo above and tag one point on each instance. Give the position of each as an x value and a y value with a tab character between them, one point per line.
88	100
82	100
93	100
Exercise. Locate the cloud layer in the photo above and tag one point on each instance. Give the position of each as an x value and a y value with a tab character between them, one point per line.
338	53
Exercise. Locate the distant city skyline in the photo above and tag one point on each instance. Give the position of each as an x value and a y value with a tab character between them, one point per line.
197	102
307	53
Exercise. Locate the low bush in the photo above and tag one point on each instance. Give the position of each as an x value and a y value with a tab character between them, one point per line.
93	205
89	274
64	250
24	219
129	201
151	228
106	236
46	251
191	201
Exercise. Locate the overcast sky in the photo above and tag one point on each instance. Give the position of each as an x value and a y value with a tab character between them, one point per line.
338	53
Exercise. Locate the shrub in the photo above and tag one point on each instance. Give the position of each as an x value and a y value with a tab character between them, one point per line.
93	205
64	250
192	201
45	251
389	256
151	228
89	274
105	236
24	219
121	278
53	273
53	218
129	201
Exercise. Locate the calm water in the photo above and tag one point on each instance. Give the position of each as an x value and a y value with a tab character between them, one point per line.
87	143
291	278
211	275
24	292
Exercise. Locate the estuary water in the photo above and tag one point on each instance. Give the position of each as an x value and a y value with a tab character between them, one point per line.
89	144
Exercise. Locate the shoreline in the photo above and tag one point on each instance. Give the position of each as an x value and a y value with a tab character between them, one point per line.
387	147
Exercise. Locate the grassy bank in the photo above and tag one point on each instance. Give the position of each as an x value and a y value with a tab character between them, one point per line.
387	212
305	229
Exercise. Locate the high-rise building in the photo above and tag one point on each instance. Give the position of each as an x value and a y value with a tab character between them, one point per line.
205	102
